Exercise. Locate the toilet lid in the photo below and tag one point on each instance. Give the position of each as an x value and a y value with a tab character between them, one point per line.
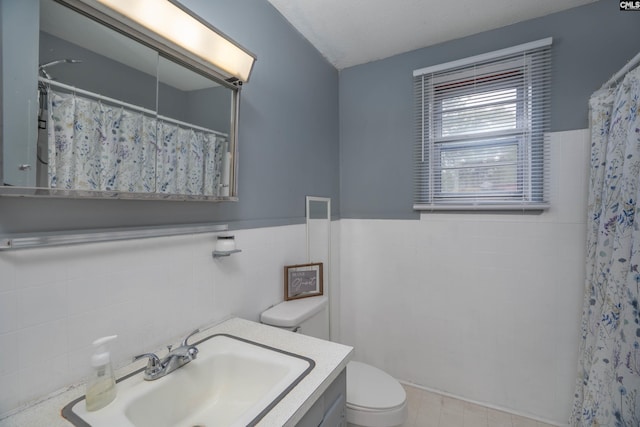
369	387
292	313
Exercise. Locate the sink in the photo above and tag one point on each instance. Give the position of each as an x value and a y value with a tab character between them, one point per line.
233	382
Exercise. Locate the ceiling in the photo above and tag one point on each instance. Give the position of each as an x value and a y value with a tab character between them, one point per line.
352	32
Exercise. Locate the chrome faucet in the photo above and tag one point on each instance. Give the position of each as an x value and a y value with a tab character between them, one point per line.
175	359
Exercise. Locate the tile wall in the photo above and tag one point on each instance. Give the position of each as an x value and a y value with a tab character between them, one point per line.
481	306
55	301
484	307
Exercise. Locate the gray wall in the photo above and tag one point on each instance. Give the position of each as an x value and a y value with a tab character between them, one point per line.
201	104
209	108
17	91
289	120
288	139
377	125
97	73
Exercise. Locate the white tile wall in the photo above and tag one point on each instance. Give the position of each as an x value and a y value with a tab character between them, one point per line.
481	306
55	301
485	307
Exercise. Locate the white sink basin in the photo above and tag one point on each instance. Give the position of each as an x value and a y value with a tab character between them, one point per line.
233	382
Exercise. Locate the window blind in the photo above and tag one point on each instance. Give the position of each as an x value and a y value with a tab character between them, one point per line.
480	127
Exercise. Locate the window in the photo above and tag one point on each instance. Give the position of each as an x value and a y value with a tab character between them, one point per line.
481	126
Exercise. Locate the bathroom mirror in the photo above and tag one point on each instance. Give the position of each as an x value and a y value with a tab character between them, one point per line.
93	107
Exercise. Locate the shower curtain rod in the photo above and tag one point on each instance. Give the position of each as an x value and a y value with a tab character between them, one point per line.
624	70
127	105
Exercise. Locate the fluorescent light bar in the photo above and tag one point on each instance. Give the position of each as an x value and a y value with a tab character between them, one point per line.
178	27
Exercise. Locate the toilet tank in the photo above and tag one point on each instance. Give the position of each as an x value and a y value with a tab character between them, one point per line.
308	316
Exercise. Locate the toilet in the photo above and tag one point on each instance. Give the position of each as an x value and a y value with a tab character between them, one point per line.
374	398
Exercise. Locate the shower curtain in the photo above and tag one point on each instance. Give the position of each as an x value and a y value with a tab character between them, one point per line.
607	391
96	146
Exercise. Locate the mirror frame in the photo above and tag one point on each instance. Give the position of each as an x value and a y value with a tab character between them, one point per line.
168	51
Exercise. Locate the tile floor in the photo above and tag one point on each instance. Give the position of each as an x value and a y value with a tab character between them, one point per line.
428	409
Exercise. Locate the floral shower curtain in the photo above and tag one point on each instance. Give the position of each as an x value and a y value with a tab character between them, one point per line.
95	146
190	162
608	387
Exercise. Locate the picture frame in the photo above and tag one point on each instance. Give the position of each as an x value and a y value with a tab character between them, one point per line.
303	281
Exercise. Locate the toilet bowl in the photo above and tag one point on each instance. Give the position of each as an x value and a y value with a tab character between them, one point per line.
374	398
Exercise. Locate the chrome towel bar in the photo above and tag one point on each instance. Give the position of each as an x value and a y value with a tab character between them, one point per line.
23	241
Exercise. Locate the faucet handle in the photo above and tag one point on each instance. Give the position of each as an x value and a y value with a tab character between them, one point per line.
154	367
153	364
184	341
192	352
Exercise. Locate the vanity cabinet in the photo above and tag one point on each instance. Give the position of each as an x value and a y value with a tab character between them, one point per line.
330	408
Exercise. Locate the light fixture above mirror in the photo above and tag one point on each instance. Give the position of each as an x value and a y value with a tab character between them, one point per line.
173	25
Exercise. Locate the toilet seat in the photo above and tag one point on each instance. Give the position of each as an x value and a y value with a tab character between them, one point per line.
365	409
389	418
372	389
374	398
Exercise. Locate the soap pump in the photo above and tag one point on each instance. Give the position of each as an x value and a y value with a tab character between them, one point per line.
101	387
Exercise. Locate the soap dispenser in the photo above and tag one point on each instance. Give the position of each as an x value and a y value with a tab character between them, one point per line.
101	387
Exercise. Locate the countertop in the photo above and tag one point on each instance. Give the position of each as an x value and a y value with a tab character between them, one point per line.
330	359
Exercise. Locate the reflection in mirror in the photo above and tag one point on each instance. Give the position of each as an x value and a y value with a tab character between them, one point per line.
19	95
114	117
193	157
97	97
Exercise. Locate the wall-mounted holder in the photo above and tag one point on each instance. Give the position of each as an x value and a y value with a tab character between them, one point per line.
219	254
225	246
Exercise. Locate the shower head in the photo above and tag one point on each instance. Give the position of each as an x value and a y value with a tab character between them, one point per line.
60	61
43	67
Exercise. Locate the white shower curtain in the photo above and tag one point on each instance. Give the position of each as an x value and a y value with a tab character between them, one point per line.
95	146
607	391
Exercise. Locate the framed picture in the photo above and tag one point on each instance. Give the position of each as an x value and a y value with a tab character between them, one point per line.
303	280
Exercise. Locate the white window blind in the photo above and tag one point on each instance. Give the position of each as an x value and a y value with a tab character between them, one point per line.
481	124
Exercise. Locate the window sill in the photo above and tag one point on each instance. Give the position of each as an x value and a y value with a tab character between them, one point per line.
504	207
